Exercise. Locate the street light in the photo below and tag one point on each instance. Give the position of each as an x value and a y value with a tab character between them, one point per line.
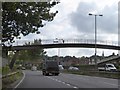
95	33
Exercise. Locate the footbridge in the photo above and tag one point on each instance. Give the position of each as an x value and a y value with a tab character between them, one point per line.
64	43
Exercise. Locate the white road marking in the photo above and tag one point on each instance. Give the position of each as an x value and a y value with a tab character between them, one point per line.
75	87
111	84
59	81
62	82
21	80
68	84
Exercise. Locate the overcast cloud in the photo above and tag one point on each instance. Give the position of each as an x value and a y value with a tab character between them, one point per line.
85	23
73	22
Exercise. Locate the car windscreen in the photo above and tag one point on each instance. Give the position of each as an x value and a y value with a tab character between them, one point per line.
109	65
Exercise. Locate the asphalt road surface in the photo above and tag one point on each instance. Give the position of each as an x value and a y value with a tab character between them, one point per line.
35	79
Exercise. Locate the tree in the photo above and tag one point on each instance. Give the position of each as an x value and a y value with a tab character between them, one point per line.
38	53
24	18
32	55
28	55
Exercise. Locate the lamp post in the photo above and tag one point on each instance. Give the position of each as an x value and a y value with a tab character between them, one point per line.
95	34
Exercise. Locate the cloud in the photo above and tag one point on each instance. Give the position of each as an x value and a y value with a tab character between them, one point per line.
70	52
109	23
85	23
73	22
80	19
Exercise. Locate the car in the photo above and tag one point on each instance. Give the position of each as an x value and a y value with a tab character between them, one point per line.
73	68
107	67
34	68
23	68
61	67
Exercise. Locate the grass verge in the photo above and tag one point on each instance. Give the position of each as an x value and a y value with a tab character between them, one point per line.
6	82
114	75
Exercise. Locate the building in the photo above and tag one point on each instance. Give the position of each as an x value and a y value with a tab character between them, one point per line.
84	61
99	58
92	59
70	61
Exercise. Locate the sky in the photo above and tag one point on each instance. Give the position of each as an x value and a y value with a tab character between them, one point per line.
73	22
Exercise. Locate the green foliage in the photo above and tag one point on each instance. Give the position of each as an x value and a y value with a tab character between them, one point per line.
31	55
6	70
87	67
27	55
6	82
114	75
24	18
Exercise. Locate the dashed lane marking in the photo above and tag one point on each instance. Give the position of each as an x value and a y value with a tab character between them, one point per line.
75	87
62	82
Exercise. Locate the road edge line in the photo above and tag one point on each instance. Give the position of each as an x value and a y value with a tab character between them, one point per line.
20	80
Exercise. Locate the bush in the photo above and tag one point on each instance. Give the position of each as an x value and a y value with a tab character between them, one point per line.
15	68
87	67
114	75
7	81
5	70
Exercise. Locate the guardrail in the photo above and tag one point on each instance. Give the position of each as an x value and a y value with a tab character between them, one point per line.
8	75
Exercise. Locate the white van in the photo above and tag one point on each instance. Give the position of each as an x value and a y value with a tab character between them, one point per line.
34	68
107	67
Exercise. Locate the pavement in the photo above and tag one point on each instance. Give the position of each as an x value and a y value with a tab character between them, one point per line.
35	79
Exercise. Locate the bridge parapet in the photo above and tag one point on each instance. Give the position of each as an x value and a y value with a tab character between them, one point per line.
63	41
